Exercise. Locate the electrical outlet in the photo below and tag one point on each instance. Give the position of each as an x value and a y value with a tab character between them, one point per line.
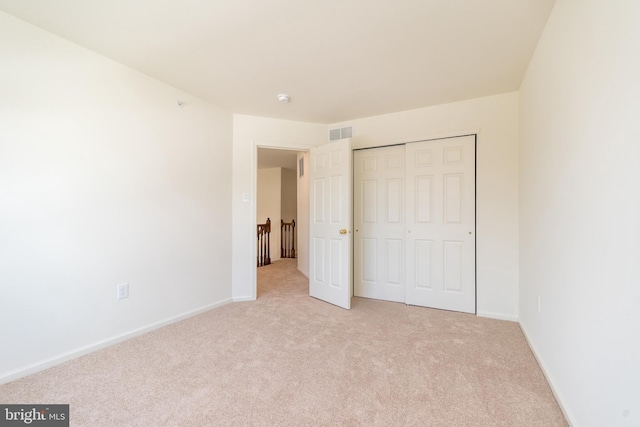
123	291
538	303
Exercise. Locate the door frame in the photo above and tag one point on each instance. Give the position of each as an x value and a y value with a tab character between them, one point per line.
254	199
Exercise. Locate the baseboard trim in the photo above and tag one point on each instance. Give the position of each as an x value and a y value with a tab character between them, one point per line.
552	384
73	354
243	299
498	316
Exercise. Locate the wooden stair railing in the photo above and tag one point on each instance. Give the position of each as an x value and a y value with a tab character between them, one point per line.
264	255
287	239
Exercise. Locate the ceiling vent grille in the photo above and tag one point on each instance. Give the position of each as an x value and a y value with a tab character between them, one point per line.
340	133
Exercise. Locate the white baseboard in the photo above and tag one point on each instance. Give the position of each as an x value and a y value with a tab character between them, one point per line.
552	384
243	299
498	316
73	354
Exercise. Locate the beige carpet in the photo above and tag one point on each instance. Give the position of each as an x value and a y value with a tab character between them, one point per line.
288	359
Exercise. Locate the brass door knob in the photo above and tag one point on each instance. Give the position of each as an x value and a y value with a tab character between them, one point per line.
343	231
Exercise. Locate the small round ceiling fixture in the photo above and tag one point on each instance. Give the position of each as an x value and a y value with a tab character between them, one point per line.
284	98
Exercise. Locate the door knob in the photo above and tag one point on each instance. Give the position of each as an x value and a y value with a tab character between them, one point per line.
343	231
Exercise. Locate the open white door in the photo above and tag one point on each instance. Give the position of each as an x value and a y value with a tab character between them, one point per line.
330	223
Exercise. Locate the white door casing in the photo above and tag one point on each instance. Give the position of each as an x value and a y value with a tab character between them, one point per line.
330	223
379	223
440	221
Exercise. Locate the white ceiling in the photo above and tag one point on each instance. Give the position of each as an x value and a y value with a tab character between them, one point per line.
337	59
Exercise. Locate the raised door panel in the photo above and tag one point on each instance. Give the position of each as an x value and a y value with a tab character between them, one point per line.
423	269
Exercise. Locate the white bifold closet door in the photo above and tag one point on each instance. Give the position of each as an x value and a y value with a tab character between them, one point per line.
415	227
379	212
440	241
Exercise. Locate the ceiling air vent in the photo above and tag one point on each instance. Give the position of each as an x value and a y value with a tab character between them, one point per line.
340	133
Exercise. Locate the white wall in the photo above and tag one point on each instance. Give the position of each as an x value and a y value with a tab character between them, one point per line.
302	221
289	195
103	180
580	209
269	205
249	132
290	201
496	119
